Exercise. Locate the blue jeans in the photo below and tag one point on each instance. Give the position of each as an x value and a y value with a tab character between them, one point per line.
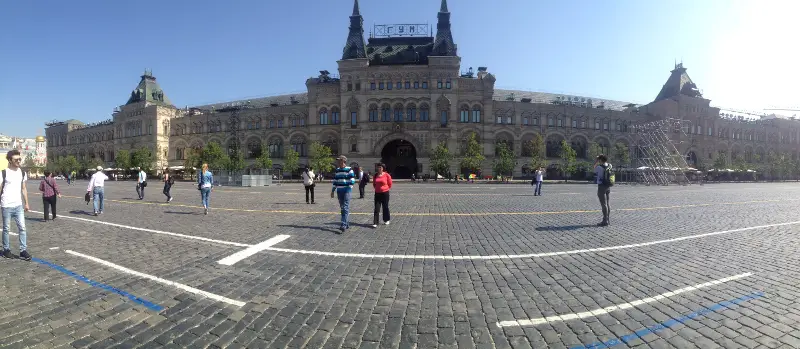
98	193
18	214
205	194
344	204
140	190
538	189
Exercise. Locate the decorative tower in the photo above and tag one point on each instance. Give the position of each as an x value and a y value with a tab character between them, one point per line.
443	45
354	47
40	156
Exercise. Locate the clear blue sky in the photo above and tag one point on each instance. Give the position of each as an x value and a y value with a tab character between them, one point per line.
80	59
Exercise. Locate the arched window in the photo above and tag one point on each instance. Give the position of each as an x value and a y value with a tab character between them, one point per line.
398	112
333	144
253	149
335	114
386	115
464	114
580	148
411	113
424	113
323	116
476	114
276	148
373	113
299	145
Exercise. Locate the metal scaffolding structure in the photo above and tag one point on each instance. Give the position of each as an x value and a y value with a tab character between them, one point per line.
659	161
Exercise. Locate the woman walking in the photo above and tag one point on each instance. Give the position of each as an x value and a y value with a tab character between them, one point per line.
49	189
308	182
168	182
205	183
382	182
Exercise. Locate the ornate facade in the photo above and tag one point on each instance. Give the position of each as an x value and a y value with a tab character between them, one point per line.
397	97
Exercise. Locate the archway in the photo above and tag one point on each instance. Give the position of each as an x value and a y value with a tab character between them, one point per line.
400	158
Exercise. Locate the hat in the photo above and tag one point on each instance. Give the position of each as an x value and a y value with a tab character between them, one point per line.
342	157
99	168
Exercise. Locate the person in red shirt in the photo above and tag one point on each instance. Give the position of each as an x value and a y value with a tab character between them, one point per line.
382	182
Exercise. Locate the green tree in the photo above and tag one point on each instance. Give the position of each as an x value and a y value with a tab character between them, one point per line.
739	164
123	160
69	164
721	161
504	161
29	162
473	157
568	160
91	163
440	160
263	160
621	154
535	147
192	159
142	158
213	155
321	158
235	162
594	150
291	161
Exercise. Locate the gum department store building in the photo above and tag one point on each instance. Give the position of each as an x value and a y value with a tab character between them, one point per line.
397	97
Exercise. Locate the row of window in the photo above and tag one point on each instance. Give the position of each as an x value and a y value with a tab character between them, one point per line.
407	85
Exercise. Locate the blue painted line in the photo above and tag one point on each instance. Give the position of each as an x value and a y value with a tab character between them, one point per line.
669	323
150	305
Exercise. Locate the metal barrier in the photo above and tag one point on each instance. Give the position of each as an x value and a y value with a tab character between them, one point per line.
245	178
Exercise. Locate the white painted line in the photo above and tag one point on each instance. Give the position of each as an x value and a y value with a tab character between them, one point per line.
238	256
529	255
53	248
155	231
13	233
160	280
622	306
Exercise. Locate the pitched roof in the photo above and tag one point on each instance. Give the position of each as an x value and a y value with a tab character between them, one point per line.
444	45
550	98
260	102
679	83
399	50
354	46
148	90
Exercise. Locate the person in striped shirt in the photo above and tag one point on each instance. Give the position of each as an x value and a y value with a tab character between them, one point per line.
343	181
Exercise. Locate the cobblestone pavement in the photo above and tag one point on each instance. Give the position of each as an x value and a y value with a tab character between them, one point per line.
460	266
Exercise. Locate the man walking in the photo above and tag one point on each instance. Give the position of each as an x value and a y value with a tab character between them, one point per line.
605	180
96	185
141	184
168	182
362	182
14	204
343	181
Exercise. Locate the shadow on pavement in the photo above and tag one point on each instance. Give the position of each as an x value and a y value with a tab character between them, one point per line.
311	227
566	227
177	212
86	213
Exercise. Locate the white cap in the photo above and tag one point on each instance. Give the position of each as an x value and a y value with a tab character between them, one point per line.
99	168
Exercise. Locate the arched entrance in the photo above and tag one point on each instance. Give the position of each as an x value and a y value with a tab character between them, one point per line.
400	158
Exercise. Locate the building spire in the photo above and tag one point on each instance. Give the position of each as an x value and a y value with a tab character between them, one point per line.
354	47
443	44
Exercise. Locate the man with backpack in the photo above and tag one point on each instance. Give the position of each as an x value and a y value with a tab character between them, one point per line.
605	180
14	203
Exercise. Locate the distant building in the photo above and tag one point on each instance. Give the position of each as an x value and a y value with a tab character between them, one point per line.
36	147
400	94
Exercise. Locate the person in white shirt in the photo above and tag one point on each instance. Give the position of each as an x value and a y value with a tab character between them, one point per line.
308	182
96	185
538	179
14	204
141	184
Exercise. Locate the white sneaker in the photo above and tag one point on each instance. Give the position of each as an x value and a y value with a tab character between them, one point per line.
374	225
386	223
170	200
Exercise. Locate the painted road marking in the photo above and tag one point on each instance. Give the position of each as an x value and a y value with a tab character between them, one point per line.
671	322
442	257
529	255
142	301
622	306
155	231
160	280
53	248
446	214
238	256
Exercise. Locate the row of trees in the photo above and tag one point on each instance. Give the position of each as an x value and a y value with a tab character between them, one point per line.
142	157
774	166
505	160
321	158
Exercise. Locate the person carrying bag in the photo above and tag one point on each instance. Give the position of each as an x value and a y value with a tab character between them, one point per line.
308	182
